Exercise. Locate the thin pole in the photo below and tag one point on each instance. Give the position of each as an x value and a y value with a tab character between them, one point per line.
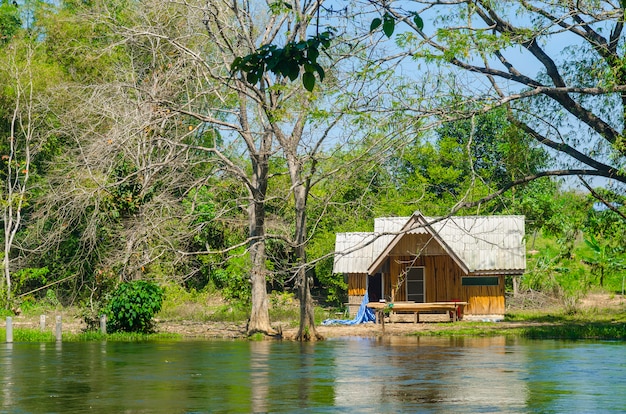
9	329
103	324
59	329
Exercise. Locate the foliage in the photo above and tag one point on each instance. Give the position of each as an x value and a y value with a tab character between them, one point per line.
232	278
132	306
604	258
10	21
603	331
286	61
237	312
27	279
36	335
299	55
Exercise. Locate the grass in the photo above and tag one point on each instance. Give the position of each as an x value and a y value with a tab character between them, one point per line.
581	323
598	324
35	335
600	331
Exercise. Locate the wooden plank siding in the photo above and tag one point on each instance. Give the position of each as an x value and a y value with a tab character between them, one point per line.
443	284
357	284
485	300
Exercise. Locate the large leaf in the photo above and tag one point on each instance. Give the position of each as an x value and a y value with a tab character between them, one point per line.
418	21
308	80
389	24
375	24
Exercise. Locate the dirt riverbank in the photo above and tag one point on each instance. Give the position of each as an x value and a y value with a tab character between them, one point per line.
226	330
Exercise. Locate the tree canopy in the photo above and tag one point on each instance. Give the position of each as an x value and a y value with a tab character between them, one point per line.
224	144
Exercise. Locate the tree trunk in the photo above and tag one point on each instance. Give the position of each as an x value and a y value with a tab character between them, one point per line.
259	313
18	160
306	331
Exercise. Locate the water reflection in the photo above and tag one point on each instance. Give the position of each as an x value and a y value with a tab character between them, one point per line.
260	375
342	375
430	372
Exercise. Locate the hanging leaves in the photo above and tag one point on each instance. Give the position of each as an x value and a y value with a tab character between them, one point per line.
301	57
375	24
388	23
288	61
418	21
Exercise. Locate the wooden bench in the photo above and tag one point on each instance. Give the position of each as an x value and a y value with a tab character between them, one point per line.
452	308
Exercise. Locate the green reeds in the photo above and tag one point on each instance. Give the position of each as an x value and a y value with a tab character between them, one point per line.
600	331
35	335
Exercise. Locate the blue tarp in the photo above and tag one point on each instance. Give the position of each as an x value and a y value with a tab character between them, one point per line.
364	315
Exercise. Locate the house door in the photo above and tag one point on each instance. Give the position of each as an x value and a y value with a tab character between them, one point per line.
415	285
375	287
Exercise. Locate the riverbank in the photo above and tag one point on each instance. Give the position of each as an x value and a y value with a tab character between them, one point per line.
598	316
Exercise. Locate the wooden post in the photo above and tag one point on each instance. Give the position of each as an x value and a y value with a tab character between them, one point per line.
59	329
42	322
9	329
103	324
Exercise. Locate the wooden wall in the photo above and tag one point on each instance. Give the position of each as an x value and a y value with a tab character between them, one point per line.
443	284
356	290
485	300
357	284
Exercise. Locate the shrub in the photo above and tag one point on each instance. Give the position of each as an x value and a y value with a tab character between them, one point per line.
132	306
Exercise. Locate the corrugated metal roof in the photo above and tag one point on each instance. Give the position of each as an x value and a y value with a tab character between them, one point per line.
479	244
353	252
485	243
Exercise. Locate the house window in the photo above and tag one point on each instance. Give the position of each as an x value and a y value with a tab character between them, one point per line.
480	281
415	286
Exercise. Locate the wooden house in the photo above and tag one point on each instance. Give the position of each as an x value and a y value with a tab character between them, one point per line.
429	259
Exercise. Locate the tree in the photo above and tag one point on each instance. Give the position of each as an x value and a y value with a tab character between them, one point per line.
18	147
572	105
25	79
10	21
113	210
499	54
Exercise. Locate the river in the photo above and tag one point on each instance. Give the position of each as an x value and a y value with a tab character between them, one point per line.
355	375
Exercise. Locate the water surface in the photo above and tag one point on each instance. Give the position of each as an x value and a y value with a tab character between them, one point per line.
339	375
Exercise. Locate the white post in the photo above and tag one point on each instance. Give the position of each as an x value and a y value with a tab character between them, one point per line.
59	329
42	322
9	329
103	324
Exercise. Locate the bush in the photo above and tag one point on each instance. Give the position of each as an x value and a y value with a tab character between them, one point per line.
132	306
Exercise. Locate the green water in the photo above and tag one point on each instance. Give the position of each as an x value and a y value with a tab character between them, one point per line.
339	375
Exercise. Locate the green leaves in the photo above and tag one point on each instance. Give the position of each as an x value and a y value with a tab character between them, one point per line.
290	60
287	62
10	21
375	24
418	21
133	305
388	22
